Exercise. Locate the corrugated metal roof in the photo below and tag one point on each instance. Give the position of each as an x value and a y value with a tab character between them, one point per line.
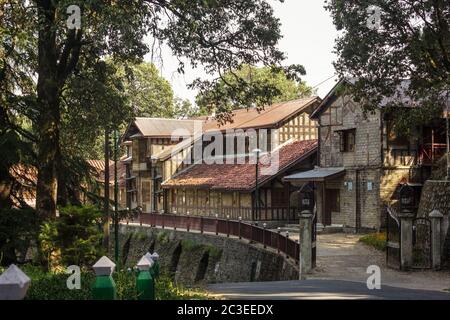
160	127
318	174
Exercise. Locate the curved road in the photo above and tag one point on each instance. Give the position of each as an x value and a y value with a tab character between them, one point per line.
319	289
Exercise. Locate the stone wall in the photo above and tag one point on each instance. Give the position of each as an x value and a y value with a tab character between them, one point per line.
202	258
436	195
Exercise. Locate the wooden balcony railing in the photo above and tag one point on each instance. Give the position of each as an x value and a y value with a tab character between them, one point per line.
242	230
428	154
431	152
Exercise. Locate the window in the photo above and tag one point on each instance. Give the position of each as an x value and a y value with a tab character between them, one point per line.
348	140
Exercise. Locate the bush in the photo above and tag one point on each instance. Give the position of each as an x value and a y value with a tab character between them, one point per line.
376	240
52	286
18	230
74	237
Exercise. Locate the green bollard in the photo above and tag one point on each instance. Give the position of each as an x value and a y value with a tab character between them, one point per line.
104	287
145	283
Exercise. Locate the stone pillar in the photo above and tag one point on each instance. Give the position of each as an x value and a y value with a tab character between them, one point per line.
436	218
406	245
305	243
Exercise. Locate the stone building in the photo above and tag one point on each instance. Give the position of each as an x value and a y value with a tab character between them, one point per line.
209	168
362	162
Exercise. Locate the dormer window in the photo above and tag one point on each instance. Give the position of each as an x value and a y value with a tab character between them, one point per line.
348	140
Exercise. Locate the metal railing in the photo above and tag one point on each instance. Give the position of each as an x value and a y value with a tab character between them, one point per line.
264	214
238	228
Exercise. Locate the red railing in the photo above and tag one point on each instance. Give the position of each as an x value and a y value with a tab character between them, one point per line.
263	214
431	152
240	229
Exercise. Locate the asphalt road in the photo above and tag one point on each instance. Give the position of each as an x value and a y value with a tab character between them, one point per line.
318	290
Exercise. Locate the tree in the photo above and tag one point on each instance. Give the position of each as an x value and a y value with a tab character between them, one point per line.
57	40
150	94
259	80
384	42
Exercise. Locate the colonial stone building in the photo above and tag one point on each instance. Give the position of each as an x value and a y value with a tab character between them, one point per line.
203	167
362	163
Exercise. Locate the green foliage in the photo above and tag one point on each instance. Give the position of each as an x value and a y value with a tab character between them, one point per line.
189	245
265	85
76	235
150	94
406	119
140	235
214	252
125	285
163	237
18	229
412	42
375	240
52	286
167	290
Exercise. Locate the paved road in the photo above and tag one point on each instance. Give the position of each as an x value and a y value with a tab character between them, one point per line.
319	289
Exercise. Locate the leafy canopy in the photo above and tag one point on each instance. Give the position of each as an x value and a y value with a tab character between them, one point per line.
260	80
412	42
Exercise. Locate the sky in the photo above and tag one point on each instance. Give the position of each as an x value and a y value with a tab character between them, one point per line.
308	39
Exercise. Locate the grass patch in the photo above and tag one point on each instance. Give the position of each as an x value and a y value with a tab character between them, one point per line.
375	240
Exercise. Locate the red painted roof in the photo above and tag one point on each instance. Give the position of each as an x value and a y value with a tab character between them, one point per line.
99	167
241	176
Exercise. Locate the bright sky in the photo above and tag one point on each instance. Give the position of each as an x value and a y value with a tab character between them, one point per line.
308	39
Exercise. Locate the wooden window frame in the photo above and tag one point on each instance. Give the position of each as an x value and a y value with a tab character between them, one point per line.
348	140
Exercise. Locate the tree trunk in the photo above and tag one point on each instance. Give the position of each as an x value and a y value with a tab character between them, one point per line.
106	195
48	123
62	191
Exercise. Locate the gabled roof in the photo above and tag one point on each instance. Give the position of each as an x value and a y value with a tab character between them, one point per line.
400	96
328	98
270	117
99	167
234	177
159	128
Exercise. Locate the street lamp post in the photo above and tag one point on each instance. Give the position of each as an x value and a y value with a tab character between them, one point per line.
256	152
116	202
154	161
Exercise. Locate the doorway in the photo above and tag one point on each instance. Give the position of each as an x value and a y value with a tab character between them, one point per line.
332	204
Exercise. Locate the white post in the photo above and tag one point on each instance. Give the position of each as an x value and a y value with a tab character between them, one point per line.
145	263
104	267
14	284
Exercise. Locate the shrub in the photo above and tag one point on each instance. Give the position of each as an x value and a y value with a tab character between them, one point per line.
18	229
74	237
52	286
376	240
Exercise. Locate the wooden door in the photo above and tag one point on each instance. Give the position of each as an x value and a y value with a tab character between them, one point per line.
332	204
